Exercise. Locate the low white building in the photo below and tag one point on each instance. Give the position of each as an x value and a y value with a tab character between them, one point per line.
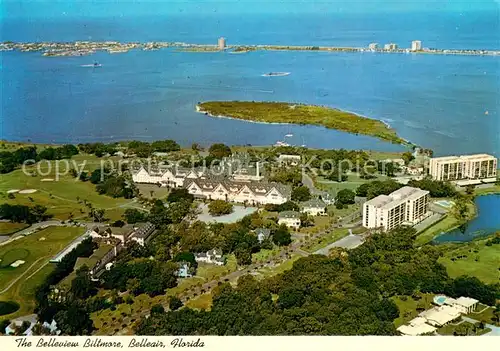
292	160
173	177
440	315
290	219
417	326
211	256
262	234
314	207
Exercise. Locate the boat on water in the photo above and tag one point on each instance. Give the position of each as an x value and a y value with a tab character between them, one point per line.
95	64
281	143
289	135
276	74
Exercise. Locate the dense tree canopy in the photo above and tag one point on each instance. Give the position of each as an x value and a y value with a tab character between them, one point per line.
301	193
219	151
350	293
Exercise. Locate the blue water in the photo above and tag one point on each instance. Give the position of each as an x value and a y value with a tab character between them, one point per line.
486	223
439	102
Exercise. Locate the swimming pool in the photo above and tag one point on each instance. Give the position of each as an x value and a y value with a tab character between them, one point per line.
445	203
439	300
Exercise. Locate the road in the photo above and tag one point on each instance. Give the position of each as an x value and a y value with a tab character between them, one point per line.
309	183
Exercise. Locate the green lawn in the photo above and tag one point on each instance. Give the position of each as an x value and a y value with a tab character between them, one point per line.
408	307
7	228
63	197
202	302
352	183
446	224
326	240
34	252
264	255
279	112
271	271
158	192
474	259
33	248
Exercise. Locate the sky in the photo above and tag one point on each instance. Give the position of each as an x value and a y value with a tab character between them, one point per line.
105	8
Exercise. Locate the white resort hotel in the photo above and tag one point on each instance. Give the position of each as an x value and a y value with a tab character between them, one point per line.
464	170
406	206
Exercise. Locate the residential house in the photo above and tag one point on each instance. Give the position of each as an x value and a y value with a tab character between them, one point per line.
289	160
290	219
262	234
211	256
314	207
185	270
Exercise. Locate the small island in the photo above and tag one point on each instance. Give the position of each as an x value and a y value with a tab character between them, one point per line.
281	112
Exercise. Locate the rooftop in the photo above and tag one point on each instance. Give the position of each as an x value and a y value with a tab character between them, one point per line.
289	214
314	203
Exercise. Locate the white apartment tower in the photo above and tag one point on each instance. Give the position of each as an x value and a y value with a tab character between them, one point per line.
406	206
470	169
416	45
390	46
221	43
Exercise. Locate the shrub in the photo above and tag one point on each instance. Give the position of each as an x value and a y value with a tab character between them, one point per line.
8	307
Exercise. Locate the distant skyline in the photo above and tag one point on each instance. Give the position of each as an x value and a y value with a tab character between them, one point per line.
120	8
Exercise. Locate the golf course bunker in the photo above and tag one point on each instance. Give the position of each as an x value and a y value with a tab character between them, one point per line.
47	180
17	263
12	191
28	191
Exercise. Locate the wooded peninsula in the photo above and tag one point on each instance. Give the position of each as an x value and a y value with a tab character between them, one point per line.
282	112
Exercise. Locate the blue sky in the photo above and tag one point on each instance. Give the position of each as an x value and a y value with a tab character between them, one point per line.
104	8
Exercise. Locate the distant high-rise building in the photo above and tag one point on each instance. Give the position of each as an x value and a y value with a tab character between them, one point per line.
222	43
416	45
469	169
373	46
390	46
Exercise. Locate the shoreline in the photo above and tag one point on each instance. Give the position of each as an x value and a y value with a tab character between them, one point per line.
405	143
79	48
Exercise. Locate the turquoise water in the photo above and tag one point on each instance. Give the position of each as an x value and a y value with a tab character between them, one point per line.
486	223
439	102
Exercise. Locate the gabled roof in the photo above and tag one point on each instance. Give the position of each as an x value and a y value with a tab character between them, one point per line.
314	203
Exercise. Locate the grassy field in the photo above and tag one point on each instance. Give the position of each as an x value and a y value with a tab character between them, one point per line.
474	259
278	112
326	240
447	224
202	302
408	307
63	197
36	254
352	183
7	228
147	190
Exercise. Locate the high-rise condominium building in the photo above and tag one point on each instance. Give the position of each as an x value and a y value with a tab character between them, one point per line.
406	206
390	46
222	43
469	169
416	45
